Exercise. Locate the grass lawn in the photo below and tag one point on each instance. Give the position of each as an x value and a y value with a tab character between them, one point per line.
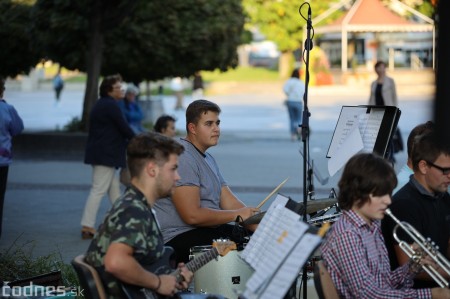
241	74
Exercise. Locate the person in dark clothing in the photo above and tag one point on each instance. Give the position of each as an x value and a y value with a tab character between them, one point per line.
109	133
11	125
423	202
58	85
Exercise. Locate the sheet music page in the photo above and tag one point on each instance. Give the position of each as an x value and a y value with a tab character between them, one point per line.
291	267
356	117
276	234
369	124
274	253
348	121
275	284
253	247
352	145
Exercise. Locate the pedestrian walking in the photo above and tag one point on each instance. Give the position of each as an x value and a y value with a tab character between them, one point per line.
108	136
294	88
58	86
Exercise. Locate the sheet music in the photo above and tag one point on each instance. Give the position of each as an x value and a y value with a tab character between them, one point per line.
285	276
276	234
353	144
367	120
348	121
357	130
275	284
277	250
370	124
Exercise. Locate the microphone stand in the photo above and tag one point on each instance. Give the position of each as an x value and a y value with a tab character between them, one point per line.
305	136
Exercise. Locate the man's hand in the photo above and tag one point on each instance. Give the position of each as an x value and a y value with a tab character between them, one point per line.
187	276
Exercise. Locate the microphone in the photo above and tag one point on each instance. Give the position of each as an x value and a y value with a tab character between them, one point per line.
309	15
308	42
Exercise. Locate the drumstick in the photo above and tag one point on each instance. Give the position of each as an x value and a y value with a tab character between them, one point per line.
272	193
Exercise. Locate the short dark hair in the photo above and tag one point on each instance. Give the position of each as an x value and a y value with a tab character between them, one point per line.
365	174
295	73
150	146
162	122
197	108
428	148
416	131
379	62
107	84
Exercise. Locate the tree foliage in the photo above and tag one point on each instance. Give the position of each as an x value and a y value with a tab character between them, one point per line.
18	56
142	40
281	22
190	35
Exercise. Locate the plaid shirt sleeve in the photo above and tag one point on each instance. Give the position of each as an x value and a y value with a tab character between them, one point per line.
364	278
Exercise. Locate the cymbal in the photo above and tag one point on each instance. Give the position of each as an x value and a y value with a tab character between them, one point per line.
255	219
319	204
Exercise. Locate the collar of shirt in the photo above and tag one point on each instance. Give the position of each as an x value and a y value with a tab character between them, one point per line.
424	191
358	221
200	152
139	195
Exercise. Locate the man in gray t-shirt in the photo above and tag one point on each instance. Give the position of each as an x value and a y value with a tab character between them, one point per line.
202	204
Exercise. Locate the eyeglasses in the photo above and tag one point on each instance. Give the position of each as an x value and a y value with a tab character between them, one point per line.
445	171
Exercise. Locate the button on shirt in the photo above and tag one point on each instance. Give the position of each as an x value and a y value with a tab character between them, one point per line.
356	257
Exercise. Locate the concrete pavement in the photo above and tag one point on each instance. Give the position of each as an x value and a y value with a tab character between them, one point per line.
45	198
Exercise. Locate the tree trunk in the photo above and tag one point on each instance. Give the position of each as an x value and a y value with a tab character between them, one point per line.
94	63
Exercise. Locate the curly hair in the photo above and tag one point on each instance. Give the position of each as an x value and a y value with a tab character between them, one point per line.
365	174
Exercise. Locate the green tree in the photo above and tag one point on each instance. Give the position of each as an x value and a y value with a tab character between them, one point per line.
73	34
176	38
281	23
142	40
18	57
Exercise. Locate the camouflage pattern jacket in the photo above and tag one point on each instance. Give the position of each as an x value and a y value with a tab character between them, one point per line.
130	221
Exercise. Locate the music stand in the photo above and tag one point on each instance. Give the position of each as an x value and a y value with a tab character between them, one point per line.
278	249
365	128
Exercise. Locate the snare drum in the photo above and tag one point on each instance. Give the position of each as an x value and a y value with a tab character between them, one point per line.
226	275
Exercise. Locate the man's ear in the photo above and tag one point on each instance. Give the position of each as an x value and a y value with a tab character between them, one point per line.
150	168
423	167
191	128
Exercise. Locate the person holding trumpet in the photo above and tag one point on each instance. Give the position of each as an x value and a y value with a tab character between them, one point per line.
353	251
423	202
202	203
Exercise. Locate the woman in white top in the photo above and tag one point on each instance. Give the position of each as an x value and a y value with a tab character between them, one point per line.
294	88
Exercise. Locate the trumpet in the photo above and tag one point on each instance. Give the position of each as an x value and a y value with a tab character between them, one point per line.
426	245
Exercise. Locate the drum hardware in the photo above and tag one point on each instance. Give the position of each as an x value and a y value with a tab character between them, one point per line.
325	219
315	205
